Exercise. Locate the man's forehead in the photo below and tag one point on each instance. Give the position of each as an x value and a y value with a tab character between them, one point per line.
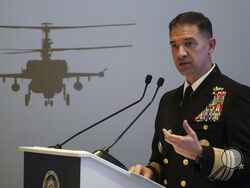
184	27
184	32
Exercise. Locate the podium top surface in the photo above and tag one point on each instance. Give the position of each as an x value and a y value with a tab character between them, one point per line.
53	151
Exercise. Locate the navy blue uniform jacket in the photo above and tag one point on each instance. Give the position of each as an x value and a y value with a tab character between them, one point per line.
219	112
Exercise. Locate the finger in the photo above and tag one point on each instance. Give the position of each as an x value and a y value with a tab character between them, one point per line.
188	129
173	138
132	168
167	135
167	132
138	169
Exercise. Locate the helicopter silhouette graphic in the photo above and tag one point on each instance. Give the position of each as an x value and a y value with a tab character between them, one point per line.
47	74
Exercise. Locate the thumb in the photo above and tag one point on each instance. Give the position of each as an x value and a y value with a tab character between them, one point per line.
187	128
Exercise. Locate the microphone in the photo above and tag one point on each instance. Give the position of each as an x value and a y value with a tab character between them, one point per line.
103	153
147	82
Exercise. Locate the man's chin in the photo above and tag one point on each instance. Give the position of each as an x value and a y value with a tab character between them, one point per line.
184	71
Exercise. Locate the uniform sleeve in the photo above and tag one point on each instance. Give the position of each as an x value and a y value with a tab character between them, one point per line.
155	162
237	123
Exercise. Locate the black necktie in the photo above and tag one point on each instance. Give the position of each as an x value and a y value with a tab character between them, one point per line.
187	94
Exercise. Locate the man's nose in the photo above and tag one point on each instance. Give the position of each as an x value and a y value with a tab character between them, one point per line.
182	52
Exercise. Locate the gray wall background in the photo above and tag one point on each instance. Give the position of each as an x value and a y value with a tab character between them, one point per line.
123	82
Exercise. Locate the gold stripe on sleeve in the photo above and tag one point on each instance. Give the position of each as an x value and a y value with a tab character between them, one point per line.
221	171
157	167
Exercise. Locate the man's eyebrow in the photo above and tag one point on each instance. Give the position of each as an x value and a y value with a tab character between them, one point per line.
189	38
185	39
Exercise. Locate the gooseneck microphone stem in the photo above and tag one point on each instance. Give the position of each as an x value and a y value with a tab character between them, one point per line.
147	82
159	84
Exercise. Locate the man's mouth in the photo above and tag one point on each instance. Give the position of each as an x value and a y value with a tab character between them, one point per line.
184	63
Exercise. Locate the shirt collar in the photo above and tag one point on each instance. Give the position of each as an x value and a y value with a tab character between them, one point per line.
196	84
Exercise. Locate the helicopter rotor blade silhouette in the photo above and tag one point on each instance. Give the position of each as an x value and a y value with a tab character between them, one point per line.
89	48
60	49
47	26
19	51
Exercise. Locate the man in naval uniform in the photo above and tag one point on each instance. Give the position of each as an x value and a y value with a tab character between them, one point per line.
202	128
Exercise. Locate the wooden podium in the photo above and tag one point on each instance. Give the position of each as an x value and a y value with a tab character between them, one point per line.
60	168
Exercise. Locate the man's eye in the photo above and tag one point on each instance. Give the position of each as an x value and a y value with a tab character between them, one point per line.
174	46
190	44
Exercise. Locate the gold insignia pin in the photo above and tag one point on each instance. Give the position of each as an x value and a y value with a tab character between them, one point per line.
160	147
218	88
241	166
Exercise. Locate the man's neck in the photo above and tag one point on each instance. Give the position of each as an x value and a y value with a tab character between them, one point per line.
196	84
193	79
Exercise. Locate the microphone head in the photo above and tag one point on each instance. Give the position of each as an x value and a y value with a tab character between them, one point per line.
148	79
160	82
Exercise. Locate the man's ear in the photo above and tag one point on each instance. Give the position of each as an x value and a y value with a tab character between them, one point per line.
211	43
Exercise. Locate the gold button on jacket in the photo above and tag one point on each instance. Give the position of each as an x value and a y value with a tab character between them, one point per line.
183	183
165	161
185	162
